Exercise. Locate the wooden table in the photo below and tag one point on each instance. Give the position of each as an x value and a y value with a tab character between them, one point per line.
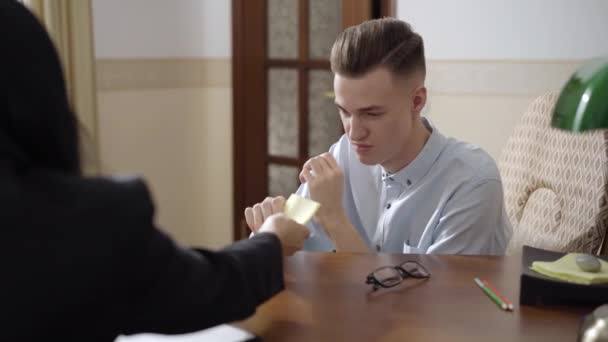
326	299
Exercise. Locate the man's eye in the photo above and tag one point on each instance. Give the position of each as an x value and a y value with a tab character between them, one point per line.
374	114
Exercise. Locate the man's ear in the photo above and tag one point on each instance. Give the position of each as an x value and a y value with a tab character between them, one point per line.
419	100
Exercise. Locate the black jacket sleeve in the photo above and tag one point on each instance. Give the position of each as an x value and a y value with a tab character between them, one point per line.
177	290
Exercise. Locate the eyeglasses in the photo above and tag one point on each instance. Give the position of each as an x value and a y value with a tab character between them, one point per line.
389	276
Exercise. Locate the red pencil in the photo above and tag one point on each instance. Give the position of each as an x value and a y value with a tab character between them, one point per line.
503	298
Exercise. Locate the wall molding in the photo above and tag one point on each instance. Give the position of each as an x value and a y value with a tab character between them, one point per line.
444	77
124	74
498	77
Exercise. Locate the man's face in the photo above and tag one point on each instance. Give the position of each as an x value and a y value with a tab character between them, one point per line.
379	112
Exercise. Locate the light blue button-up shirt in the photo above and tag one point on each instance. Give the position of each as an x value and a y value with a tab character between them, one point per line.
448	200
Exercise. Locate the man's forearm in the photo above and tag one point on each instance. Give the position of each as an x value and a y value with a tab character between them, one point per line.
342	233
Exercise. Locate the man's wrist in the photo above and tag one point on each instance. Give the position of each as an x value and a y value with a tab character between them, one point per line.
332	220
339	229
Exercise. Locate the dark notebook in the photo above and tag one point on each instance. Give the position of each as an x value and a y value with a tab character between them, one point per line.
536	288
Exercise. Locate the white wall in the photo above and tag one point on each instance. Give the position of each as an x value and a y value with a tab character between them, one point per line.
488	59
162	28
509	29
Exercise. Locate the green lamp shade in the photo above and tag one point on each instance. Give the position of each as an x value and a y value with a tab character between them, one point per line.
583	103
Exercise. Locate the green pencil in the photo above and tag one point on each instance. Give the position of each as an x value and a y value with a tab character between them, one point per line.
491	294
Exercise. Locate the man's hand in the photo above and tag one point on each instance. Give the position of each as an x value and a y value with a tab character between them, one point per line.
325	180
257	215
291	233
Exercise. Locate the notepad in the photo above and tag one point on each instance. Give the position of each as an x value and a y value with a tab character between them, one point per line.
224	333
300	209
565	269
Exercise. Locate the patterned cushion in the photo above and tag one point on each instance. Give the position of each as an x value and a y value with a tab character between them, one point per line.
555	183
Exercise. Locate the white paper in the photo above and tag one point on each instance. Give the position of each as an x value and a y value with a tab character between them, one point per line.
222	332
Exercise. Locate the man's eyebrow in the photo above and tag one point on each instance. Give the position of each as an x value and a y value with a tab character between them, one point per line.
364	109
370	108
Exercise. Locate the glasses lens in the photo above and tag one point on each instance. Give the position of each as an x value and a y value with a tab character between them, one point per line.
387	276
415	270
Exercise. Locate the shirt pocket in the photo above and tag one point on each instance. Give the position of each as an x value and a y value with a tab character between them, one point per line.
407	249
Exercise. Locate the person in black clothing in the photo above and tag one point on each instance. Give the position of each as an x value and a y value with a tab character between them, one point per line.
81	258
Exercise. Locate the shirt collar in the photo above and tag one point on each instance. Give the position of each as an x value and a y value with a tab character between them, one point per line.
420	166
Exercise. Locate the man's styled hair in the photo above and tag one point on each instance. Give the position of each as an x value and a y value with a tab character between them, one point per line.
384	42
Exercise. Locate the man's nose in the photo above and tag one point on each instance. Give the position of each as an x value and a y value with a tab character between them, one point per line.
357	130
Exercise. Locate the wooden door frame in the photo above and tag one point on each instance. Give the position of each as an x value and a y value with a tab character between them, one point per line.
248	67
249	90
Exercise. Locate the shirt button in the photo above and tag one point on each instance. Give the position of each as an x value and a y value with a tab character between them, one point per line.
409	182
378	248
388	206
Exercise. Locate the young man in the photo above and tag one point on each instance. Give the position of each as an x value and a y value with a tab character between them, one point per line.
393	183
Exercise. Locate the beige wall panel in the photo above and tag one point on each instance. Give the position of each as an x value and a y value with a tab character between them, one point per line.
180	140
484	120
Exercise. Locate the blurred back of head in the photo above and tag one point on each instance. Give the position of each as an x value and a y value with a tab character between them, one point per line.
37	127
